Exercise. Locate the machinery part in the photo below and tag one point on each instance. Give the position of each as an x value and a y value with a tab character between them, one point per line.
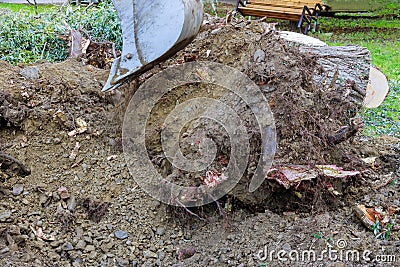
152	31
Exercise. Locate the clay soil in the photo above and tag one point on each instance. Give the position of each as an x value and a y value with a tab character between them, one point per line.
78	205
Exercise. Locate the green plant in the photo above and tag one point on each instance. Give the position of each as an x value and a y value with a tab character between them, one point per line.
26	38
380	232
329	242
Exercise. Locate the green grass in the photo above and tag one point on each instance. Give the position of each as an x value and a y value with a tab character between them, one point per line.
26	8
382	38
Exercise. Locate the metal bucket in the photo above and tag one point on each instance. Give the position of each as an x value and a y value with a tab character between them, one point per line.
152	31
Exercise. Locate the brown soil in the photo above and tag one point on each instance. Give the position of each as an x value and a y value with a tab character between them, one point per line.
103	218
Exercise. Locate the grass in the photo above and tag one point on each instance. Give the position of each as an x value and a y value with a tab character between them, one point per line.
25	8
382	38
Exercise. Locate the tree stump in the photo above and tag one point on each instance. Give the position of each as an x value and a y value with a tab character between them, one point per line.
314	92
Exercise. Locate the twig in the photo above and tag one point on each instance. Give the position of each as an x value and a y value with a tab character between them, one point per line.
190	212
223	213
19	163
91	4
44	47
34	4
385	183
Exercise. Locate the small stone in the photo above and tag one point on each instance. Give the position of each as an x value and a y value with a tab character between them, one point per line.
63	192
31	73
88	239
122	262
286	247
5	215
215	31
17	189
161	254
53	256
67	246
149	254
134	263
106	246
121	234
160	231
71	204
92	255
56	197
81	244
259	56
90	248
4	250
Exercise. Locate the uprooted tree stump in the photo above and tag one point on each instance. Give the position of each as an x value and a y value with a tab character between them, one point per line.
314	92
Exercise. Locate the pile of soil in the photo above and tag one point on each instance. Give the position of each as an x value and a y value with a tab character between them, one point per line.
78	205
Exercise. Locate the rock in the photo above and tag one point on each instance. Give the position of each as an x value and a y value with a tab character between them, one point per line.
122	262
160	231
215	31
90	248
81	244
286	247
92	255
67	246
161	254
106	246
4	250
259	56
5	215
31	73
149	254
17	189
134	263
121	234
63	193
71	204
53	256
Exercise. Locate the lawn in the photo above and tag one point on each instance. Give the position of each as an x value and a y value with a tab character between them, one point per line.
25	8
382	37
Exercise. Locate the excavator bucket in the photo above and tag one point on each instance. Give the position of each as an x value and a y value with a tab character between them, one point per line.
152	31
